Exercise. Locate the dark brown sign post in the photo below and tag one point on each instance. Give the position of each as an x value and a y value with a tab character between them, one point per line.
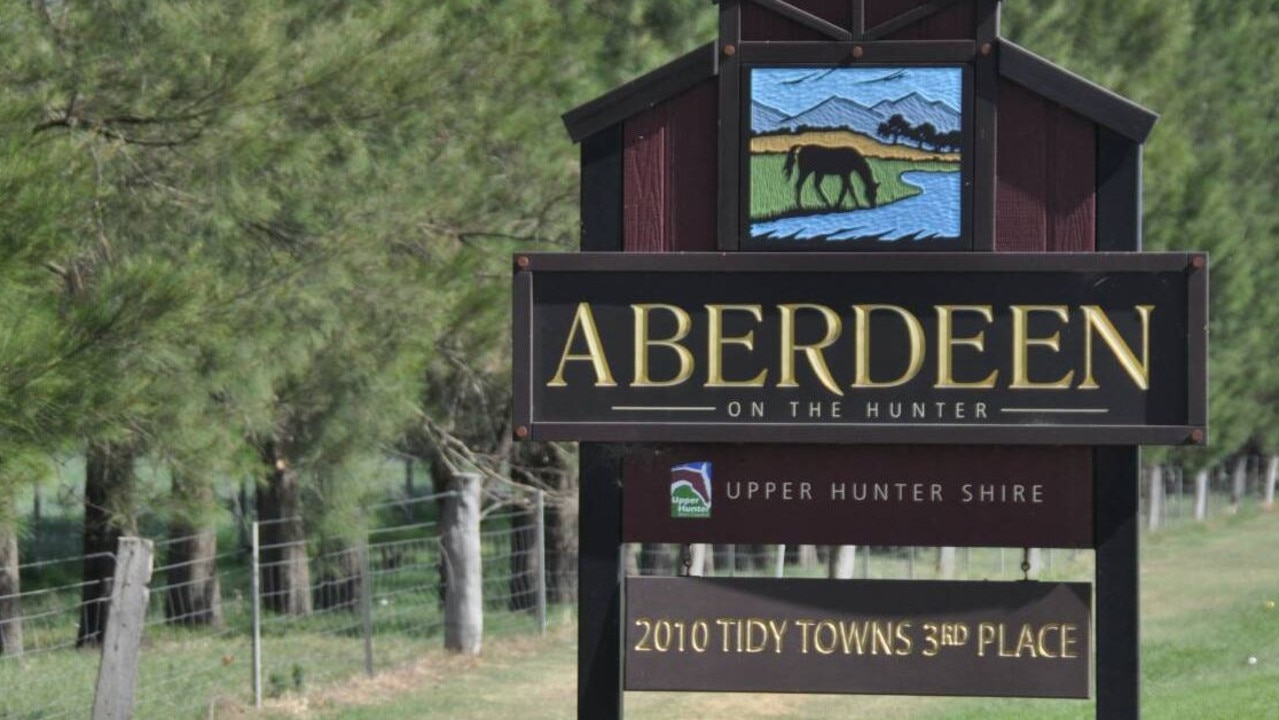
862	126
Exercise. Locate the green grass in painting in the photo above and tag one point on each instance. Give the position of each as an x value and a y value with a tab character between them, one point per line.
773	196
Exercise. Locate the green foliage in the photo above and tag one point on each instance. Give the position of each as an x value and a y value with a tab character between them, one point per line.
289	222
233	226
1209	169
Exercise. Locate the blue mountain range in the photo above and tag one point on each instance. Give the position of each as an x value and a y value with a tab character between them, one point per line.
838	113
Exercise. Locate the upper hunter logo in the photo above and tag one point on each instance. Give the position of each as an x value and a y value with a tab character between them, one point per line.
691	490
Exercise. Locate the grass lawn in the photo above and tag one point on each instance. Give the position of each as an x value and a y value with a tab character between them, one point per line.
1205	612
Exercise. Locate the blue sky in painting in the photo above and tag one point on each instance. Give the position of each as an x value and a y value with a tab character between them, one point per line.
796	89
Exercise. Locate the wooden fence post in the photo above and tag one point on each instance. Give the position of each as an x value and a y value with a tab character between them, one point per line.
464	592
122	639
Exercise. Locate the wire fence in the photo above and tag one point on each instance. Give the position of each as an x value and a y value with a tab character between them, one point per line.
326	610
866	562
44	666
1171	496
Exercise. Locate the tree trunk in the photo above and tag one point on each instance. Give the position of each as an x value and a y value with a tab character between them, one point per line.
286	576
10	583
37	514
341	576
808	556
1272	474
243	518
109	514
549	470
1240	486
194	593
439	474
658	559
1036	561
522	585
946	563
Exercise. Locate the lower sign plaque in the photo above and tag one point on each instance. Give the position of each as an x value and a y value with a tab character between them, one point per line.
997	639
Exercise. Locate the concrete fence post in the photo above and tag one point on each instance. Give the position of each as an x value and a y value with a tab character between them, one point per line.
122	638
464	588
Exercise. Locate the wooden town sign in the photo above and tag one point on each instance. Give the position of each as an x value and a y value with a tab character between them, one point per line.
816	347
860	271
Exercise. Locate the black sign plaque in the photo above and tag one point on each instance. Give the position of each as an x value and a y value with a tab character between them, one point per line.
960	348
996	639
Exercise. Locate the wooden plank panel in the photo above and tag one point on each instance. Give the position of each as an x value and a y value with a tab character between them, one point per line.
645	181
957	22
1021	175
881	11
1072	173
759	23
692	164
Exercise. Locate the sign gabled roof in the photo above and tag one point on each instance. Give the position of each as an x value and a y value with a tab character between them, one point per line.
1069	90
642	93
1016	64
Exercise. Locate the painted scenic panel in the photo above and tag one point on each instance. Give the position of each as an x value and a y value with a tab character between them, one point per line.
856	155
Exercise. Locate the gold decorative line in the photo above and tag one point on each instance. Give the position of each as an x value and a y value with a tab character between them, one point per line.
659	408
1074	411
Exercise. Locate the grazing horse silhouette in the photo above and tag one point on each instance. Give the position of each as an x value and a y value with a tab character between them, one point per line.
820	161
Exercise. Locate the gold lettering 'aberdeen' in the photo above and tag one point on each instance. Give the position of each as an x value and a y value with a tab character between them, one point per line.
851	335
